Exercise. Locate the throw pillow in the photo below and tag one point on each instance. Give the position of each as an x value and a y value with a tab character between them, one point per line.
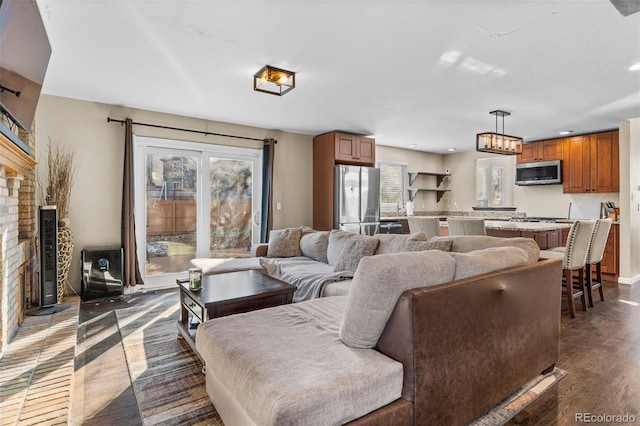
354	249
313	244
284	243
488	260
377	285
336	242
397	243
442	245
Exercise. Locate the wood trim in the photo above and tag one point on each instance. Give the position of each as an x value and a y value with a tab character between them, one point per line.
13	158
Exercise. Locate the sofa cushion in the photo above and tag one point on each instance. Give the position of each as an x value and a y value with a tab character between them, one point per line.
488	260
337	240
212	266
429	245
377	284
467	243
313	244
353	250
286	365
284	242
336	288
397	243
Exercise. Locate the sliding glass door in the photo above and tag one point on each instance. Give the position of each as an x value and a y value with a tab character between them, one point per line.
198	200
231	200
171	195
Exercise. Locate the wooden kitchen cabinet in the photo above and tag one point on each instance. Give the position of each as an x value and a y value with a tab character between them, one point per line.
541	151
353	149
330	149
605	162
544	239
611	256
591	163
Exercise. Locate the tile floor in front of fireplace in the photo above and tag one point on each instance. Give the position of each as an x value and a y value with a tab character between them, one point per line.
40	382
37	369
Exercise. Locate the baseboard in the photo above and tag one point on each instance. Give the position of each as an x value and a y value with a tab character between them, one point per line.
629	281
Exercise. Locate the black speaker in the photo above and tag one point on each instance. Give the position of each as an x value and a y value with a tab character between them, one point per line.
48	232
102	272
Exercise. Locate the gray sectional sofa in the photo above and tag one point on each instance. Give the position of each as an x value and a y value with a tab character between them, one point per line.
322	263
420	337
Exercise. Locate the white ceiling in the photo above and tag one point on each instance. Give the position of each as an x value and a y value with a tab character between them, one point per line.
407	72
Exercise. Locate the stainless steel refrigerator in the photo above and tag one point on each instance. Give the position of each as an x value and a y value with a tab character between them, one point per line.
356	204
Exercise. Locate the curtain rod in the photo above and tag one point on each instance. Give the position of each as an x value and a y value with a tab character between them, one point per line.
202	132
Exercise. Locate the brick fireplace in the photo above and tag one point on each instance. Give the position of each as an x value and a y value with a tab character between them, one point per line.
18	215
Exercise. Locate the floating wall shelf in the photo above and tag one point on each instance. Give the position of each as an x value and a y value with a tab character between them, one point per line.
439	193
439	176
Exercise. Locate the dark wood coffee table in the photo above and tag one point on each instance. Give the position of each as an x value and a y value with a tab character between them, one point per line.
226	294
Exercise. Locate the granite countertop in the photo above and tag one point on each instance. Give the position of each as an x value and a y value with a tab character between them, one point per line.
525	226
489	215
504	224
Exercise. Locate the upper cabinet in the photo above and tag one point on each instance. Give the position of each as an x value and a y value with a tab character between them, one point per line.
591	163
541	151
354	149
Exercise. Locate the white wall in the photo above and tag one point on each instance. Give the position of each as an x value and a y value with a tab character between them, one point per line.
95	205
630	204
462	167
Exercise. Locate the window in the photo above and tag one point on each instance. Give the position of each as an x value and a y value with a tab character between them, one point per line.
392	184
491	175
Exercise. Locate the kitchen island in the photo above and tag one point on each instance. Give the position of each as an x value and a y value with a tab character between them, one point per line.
546	234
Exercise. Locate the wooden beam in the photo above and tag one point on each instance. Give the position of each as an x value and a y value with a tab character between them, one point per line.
15	159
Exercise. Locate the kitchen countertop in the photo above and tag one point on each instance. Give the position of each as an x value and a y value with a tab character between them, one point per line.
506	225
503	225
497	215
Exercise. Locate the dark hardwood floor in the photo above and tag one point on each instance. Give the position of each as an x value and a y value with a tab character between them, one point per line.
599	348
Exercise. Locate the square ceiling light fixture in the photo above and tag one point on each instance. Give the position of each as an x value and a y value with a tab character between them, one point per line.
499	143
274	80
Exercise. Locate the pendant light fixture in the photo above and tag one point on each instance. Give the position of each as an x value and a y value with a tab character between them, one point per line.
499	143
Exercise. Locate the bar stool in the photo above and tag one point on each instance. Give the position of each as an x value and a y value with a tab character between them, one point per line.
595	253
574	258
466	226
430	225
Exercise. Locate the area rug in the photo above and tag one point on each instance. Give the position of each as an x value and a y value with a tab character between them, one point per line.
170	387
519	400
166	375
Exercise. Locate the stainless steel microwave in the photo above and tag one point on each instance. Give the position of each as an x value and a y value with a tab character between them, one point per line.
540	173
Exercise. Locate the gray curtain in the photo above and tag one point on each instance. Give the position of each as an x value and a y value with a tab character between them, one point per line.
132	274
268	153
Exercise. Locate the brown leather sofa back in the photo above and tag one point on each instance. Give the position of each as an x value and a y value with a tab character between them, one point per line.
468	344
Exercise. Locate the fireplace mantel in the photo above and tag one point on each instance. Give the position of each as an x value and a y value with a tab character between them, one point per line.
13	158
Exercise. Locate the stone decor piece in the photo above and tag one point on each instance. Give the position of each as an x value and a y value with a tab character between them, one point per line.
65	251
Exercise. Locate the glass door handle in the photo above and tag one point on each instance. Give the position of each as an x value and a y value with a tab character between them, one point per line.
256	218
